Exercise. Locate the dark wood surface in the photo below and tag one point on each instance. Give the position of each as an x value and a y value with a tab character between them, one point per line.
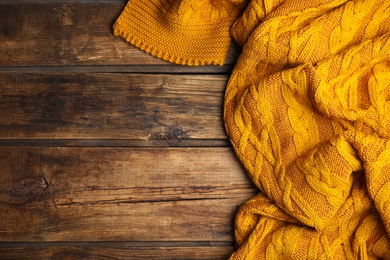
105	151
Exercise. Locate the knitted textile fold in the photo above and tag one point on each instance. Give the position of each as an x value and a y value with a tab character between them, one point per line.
307	110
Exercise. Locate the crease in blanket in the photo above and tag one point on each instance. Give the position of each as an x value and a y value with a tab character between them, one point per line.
307	110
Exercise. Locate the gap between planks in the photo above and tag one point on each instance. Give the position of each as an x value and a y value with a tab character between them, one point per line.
120	244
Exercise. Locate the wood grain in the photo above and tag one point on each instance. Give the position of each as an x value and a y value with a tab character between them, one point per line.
87	123
68	34
112	194
111	106
77	252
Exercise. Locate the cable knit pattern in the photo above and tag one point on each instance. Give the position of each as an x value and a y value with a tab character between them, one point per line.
307	110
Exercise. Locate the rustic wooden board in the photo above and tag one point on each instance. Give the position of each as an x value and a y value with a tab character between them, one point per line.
68	34
70	104
117	252
143	107
120	194
155	69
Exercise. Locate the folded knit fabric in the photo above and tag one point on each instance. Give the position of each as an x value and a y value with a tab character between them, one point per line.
307	109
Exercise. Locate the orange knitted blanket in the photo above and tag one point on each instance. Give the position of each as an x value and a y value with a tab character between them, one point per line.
307	110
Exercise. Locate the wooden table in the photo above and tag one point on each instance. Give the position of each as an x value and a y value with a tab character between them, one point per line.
105	151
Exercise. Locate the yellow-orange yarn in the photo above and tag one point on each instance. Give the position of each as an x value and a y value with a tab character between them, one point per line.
187	32
307	109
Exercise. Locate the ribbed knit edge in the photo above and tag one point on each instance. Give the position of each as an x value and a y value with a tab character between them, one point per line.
161	54
158	41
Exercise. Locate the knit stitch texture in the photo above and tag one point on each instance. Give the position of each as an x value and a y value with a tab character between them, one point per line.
307	110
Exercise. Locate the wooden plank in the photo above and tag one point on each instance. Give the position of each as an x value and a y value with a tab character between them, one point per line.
152	69
111	106
120	194
68	34
115	143
129	252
